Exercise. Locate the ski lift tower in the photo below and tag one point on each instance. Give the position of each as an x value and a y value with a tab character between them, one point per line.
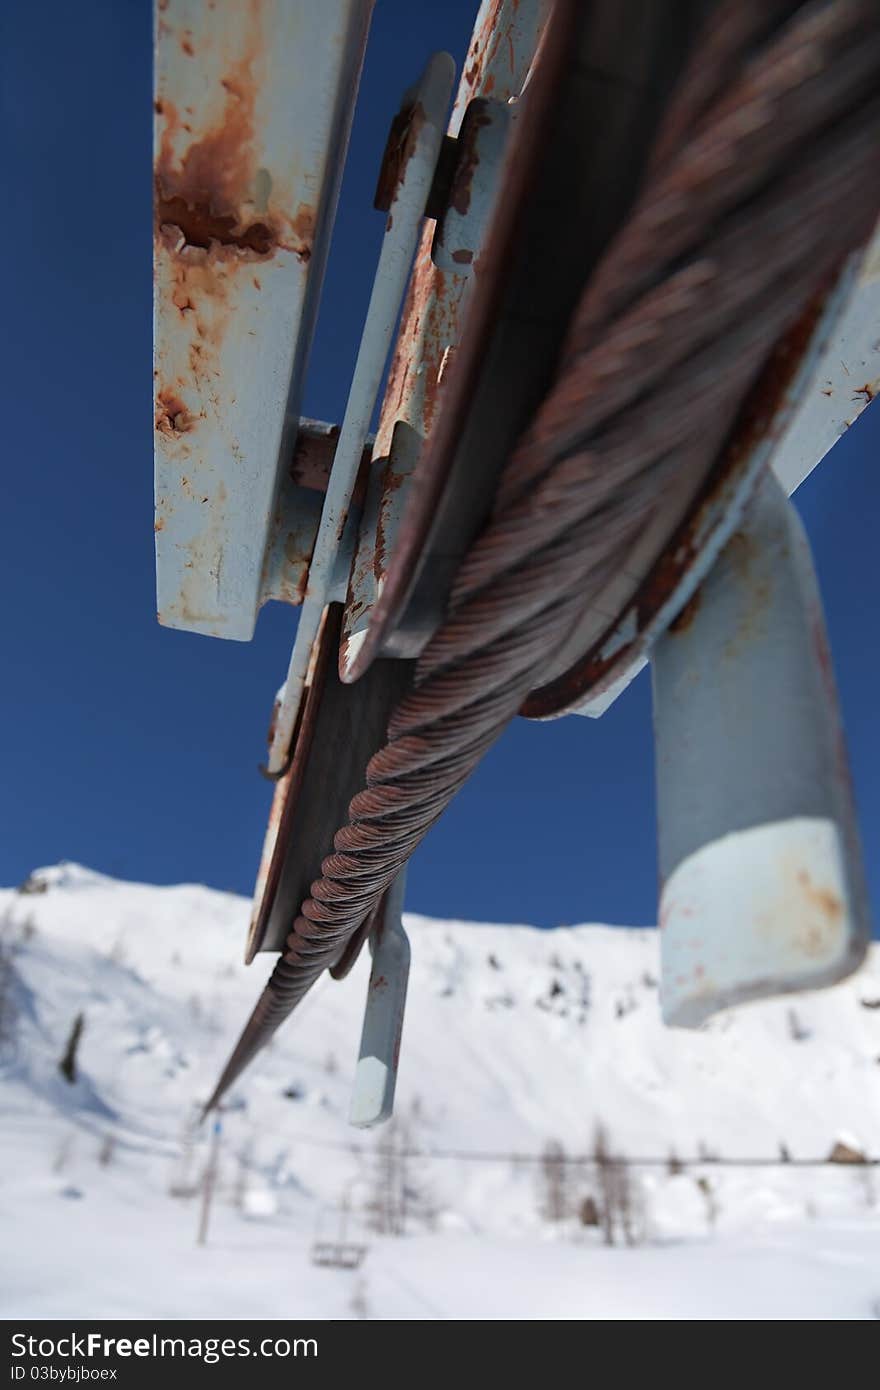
628	278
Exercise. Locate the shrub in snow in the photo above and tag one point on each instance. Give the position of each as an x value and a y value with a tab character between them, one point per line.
33	884
712	1206
588	1212
796	1030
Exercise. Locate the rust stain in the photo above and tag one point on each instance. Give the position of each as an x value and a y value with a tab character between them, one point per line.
755	590
476	116
488	39
437	338
759	420
313	458
172	417
808	914
213	205
391	481
213	188
401	369
687	614
196	364
299	560
828	904
399	149
208	193
303	227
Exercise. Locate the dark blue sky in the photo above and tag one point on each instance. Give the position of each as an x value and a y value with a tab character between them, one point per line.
134	749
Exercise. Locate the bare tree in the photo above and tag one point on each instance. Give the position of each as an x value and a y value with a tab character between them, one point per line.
67	1064
605	1183
245	1162
555	1202
621	1209
629	1203
713	1207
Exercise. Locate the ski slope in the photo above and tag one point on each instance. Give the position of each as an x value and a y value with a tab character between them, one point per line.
514	1038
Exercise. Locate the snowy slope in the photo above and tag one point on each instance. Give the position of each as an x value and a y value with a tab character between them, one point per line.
513	1038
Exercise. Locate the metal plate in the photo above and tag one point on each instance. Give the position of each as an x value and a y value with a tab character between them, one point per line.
763	890
253	107
470	386
501	52
426	105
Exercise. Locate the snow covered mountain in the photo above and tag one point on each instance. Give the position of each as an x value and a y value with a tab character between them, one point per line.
515	1040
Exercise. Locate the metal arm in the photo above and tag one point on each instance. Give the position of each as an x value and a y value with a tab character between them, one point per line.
372	1098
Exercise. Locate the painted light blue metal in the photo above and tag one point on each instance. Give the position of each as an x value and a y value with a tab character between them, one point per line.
847	376
375	1079
253	108
462	226
430	101
762	884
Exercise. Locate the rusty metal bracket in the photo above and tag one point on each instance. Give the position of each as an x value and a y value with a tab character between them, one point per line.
375	1080
501	55
331	558
762	883
253	106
